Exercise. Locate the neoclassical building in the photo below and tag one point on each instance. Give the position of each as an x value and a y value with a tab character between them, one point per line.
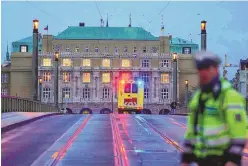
93	59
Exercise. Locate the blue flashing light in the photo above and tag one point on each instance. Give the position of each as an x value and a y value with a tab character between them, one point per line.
139	82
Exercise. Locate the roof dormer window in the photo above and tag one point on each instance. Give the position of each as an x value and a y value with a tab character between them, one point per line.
23	48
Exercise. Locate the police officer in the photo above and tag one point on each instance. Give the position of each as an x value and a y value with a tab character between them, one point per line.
217	122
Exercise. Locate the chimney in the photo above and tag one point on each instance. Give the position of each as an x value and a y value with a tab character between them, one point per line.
81	24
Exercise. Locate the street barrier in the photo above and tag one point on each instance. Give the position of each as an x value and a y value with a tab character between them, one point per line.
17	104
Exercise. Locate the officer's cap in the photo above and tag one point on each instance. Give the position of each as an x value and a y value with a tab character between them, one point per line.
206	59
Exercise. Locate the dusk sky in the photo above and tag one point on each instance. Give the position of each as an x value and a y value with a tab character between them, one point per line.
227	25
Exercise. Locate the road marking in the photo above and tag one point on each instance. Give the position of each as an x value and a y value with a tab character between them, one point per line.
40	158
68	144
120	151
167	139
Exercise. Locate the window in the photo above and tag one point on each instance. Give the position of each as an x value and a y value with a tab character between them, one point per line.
46	76
125	63
77	49
154	49
86	49
47	62
66	62
125	49
126	76
134	88
105	93
134	49
145	63
4	78
86	77
46	93
23	48
4	92
116	49
165	63
146	92
105	77
105	49
86	93
186	50
66	76
144	49
57	47
164	78
66	93
127	88
67	49
106	63
145	77
86	62
165	93
96	49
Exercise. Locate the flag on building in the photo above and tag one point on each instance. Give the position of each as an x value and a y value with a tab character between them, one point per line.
46	28
162	28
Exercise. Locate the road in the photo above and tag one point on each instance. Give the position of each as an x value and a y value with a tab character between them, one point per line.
106	140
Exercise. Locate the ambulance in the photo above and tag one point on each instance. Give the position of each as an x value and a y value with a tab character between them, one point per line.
130	96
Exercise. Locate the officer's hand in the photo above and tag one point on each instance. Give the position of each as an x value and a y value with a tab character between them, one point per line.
229	163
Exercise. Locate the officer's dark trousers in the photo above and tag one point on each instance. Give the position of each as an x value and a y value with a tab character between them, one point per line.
212	161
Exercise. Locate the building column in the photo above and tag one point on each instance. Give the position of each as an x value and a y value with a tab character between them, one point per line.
154	87
76	86
96	86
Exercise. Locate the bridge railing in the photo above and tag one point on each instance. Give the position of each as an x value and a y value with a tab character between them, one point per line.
17	104
182	110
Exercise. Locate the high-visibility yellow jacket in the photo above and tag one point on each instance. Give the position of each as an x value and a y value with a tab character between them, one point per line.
221	128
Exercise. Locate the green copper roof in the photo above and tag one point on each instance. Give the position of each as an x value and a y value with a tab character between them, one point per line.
27	40
105	33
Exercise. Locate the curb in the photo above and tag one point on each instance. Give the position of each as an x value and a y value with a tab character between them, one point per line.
22	123
180	114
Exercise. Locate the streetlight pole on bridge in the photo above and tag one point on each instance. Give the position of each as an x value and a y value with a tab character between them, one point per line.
174	81
35	61
56	78
40	87
187	92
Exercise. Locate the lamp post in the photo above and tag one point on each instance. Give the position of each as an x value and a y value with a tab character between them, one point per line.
35	60
175	77
40	85
186	92
203	36
56	78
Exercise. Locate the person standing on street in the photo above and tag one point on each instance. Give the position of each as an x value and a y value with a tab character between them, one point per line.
216	132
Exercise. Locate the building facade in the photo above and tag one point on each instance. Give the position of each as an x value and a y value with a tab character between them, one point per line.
5	75
93	59
243	78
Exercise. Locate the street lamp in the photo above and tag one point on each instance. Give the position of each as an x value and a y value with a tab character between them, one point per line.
40	85
35	61
56	80
174	57
35	26
187	92
203	36
56	56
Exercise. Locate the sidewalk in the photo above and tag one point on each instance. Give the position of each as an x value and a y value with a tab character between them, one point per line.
19	118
